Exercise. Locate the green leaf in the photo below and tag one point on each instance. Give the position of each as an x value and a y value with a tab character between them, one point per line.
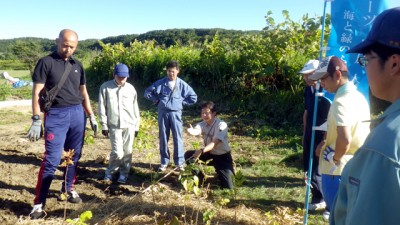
196	180
85	216
196	190
175	221
70	221
185	185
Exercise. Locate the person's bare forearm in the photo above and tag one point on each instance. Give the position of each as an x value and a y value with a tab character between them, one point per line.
343	141
35	98
86	101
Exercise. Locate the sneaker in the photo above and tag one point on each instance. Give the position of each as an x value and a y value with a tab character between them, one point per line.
37	212
162	168
106	180
107	177
326	215
316	206
181	168
122	179
71	196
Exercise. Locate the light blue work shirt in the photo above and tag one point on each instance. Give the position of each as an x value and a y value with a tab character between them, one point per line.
369	192
171	100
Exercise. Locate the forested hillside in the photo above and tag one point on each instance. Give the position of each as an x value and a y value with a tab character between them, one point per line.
162	37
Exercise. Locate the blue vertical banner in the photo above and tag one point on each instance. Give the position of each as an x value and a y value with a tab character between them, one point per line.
351	21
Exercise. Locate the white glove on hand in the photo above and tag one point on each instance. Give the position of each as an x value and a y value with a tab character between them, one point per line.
35	132
193	131
328	156
93	123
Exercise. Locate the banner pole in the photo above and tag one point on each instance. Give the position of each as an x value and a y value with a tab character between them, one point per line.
323	30
309	173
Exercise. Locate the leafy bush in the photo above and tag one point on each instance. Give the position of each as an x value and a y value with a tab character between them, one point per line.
12	64
252	74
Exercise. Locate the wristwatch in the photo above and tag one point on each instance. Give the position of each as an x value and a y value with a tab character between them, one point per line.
35	117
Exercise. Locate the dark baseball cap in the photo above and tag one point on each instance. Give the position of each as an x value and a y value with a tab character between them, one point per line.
385	30
121	70
329	65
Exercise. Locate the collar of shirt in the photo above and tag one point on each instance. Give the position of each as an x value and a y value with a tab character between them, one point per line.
56	56
166	81
349	86
171	84
394	107
118	85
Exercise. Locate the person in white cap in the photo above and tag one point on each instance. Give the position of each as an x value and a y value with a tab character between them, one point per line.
369	192
348	125
317	201
120	119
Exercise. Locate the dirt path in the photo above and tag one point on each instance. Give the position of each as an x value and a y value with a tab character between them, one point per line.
7	104
20	161
19	165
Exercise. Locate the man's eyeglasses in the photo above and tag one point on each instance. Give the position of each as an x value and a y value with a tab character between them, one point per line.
363	61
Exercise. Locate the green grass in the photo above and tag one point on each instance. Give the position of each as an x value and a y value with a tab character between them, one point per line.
271	165
21	74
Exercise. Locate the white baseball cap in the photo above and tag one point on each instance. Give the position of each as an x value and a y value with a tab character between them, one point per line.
310	66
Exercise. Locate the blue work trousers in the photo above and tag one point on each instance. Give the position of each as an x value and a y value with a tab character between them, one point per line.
170	121
64	130
330	187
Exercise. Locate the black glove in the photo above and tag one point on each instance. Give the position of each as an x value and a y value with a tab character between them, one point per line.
93	123
136	133
104	132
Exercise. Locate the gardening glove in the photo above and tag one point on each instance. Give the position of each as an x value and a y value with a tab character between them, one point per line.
328	156
36	131
193	131
105	133
93	123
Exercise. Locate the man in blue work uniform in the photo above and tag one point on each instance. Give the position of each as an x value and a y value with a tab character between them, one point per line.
64	122
369	191
171	94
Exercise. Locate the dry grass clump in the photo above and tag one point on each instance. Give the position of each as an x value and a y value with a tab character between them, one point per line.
161	204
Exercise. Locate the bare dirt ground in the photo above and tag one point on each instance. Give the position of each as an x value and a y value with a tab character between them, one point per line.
130	203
